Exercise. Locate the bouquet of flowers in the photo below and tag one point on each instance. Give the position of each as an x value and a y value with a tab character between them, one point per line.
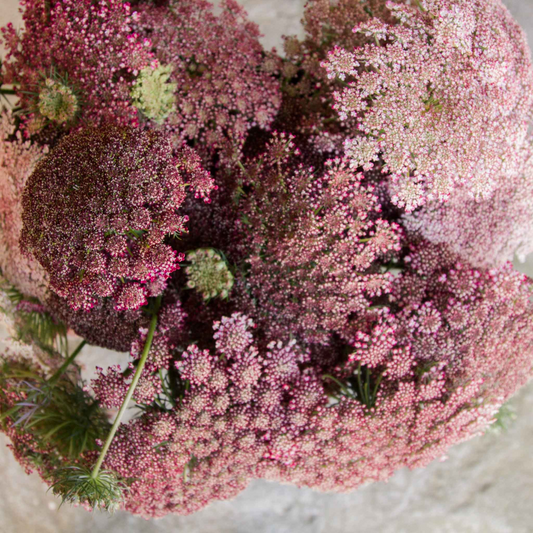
306	255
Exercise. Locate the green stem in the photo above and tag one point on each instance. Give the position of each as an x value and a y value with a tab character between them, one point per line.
360	389
47	10
67	362
8	91
343	387
129	394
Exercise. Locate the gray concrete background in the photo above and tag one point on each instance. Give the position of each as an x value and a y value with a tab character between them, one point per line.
485	486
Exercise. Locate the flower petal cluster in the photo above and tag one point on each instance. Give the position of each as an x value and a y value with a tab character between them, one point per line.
96	213
228	420
346	308
18	158
416	381
443	98
318	238
308	91
92	44
218	66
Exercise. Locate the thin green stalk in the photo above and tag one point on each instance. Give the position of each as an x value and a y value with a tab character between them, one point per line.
67	362
47	10
343	387
360	390
129	394
8	91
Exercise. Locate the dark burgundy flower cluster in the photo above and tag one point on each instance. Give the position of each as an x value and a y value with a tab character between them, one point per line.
97	210
102	325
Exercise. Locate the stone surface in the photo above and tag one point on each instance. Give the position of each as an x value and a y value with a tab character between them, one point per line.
485	486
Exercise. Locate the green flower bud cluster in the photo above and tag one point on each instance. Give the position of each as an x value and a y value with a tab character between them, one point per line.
57	101
152	93
208	273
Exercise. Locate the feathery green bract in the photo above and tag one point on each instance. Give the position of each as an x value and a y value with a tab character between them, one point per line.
60	414
76	484
41	328
32	322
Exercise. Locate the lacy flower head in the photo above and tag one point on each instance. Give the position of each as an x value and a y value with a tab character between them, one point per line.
208	273
488	232
230	414
443	97
18	158
429	371
327	24
90	43
218	66
429	374
317	242
97	210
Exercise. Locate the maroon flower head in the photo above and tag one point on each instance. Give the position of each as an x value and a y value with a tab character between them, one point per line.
224	83
102	325
89	45
96	212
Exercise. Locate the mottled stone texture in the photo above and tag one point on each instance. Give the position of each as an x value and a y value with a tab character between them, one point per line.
485	486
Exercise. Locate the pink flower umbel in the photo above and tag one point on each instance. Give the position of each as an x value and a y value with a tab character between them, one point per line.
87	50
336	308
223	86
96	213
442	98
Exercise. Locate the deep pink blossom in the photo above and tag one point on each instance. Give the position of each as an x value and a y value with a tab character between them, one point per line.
96	213
317	239
224	87
90	46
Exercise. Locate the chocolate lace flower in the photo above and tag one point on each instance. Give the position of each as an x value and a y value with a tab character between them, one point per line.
96	212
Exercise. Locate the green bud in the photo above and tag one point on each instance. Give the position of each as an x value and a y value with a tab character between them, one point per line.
153	94
208	273
57	102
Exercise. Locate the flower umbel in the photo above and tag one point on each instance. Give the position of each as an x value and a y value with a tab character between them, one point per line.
57	102
153	93
208	273
96	213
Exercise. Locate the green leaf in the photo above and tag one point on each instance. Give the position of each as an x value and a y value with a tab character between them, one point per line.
77	484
